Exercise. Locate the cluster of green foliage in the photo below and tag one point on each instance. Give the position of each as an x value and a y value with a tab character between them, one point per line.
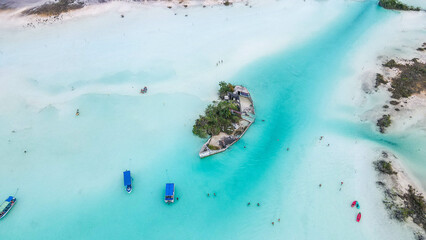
224	88
380	80
384	122
416	206
397	5
401	213
212	147
227	3
411	80
384	167
391	64
55	8
423	48
217	118
393	102
413	203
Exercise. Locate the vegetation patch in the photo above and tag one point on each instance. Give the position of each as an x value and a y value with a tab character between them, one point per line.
54	8
411	80
227	3
224	88
396	5
401	203
410	204
419	236
384	122
380	80
415	206
218	116
423	48
212	147
384	167
391	64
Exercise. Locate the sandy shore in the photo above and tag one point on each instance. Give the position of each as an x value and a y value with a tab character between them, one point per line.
398	184
122	7
410	113
86	61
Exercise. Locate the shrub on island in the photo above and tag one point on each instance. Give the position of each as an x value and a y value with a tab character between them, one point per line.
410	80
224	88
55	8
218	116
384	167
384	122
212	147
413	206
416	206
227	3
396	5
380	80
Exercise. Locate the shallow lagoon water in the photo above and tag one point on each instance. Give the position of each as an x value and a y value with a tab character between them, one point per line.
70	179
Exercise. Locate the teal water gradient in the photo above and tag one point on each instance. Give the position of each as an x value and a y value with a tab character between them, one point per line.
290	90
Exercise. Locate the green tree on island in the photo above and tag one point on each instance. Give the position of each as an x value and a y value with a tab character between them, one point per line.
224	88
397	5
217	116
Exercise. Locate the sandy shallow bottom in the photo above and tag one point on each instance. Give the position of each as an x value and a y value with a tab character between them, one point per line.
302	63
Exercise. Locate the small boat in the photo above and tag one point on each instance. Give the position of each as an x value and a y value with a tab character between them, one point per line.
144	90
170	193
357	205
354	203
6	206
358	218
127	181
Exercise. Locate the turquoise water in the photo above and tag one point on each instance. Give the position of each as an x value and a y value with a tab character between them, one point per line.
79	192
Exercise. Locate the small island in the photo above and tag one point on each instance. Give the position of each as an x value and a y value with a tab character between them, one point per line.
225	121
402	201
396	5
54	8
409	80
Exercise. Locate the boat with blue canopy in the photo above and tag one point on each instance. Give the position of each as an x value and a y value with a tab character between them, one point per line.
127	181
170	193
6	206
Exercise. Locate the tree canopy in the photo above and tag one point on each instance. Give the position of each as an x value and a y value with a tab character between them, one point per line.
217	116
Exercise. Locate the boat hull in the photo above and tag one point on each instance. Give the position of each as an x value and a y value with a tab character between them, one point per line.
8	210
